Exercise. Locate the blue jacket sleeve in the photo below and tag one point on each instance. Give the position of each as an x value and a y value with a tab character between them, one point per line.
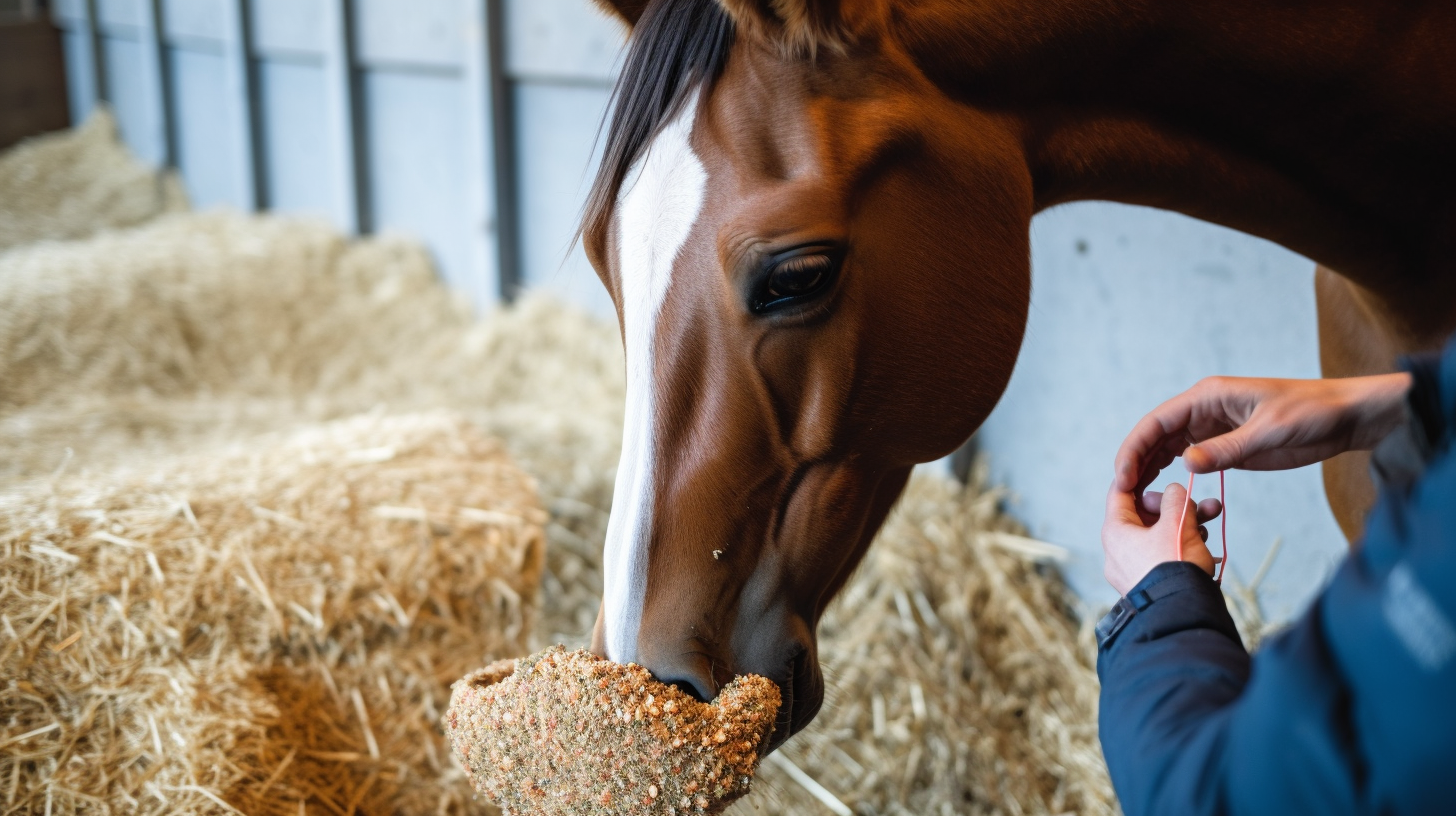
1351	711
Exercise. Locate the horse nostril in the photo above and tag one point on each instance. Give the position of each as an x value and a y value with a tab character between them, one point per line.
697	689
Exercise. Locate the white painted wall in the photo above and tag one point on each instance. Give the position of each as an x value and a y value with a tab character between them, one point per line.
562	56
1129	307
410	93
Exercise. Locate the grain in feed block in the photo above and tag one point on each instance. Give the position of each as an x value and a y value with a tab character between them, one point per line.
567	733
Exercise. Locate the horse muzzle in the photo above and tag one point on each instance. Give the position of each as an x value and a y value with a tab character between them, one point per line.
701	670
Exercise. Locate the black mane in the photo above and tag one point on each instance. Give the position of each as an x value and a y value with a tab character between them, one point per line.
677	47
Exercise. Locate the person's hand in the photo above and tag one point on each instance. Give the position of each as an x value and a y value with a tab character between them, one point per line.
1260	424
1138	533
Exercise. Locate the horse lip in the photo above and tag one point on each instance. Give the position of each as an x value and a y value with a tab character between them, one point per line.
783	725
794	714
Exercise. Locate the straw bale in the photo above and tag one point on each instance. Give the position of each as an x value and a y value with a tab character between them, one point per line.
74	183
217	326
572	734
210	303
273	624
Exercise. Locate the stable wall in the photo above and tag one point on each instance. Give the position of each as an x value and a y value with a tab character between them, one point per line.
1130	306
466	123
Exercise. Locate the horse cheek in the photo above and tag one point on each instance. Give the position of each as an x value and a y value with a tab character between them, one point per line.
942	340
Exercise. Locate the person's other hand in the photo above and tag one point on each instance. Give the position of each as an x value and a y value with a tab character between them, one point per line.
1260	424
1138	533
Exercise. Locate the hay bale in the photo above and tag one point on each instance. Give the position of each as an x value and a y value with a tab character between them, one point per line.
208	328
74	183
264	626
213	303
571	734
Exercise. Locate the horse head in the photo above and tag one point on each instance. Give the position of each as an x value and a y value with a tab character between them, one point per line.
820	264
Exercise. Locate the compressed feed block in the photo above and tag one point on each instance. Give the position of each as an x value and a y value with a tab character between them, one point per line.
571	734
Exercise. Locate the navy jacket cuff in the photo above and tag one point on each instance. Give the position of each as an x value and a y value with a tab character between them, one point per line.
1175	595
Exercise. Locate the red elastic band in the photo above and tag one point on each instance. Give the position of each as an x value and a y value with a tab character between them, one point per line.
1222	566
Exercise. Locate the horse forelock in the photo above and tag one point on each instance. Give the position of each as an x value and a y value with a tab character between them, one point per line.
678	48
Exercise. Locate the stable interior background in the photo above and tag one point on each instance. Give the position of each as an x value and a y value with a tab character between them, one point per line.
471	124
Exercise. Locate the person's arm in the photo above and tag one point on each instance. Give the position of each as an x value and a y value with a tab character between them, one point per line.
1350	711
1389	615
1190	725
1170	674
1169	658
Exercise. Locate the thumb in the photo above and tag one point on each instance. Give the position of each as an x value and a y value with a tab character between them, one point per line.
1186	541
1175	499
1222	452
1176	507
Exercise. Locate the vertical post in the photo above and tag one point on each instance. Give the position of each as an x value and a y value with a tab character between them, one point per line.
487	103
95	53
240	74
154	69
507	209
341	89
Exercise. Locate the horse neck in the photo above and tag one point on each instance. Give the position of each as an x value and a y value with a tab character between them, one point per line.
1326	127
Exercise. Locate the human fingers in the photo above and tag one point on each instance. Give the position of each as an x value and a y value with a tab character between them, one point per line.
1122	508
1207	510
1173	502
1156	461
1151	433
1226	451
1129	546
1152	502
1149	507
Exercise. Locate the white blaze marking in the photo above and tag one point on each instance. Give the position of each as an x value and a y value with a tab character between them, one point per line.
657	207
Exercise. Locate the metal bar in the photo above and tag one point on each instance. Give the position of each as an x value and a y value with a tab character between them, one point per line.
341	82
95	53
485	285
487	103
243	89
507	200
154	66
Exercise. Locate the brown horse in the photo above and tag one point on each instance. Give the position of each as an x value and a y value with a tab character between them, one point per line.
813	218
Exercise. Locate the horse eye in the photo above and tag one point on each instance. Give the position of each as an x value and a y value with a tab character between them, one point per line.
793	279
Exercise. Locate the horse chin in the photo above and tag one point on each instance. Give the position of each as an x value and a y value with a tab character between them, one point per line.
802	690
